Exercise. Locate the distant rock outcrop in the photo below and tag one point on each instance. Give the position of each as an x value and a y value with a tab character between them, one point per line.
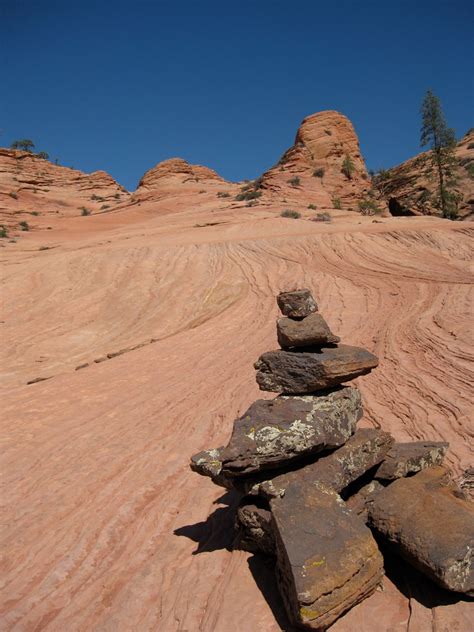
314	167
408	190
29	184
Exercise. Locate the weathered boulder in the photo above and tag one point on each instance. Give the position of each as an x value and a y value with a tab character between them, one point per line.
312	369
327	559
297	303
253	523
272	433
365	449
430	525
360	501
312	330
407	458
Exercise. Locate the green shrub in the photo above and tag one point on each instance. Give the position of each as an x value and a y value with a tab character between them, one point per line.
35	213
24	225
42	155
369	207
321	217
97	198
289	213
336	202
313	207
470	170
13	195
104	207
348	167
248	195
318	173
85	211
25	144
223	194
3	232
295	182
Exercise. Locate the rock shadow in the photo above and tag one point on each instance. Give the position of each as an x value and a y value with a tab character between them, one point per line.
217	532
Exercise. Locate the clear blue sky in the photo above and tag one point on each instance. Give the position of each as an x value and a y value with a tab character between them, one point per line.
122	85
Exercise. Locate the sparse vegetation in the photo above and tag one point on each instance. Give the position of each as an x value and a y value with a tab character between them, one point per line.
470	170
248	195
369	207
470	146
318	173
85	211
295	182
3	232
104	207
44	248
42	155
13	195
313	207
289	213
252	203
97	198
348	167
25	144
35	213
321	217
117	196
223	194
336	202
24	225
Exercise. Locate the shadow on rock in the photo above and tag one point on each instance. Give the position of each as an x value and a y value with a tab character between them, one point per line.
414	584
217	532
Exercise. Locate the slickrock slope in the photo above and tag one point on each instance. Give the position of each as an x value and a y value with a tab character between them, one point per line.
408	191
29	184
167	304
321	145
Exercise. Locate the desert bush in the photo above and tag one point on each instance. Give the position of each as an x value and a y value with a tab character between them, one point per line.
313	207
3	232
24	225
223	194
470	146
85	211
35	213
321	217
318	173
289	213
348	167
295	182
42	155
470	170
252	203
369	207
248	195
117	196
13	195
97	198
104	207
336	202
24	144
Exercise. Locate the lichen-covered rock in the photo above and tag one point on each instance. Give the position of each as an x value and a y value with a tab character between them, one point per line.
430	526
407	458
327	559
297	303
312	330
365	449
294	372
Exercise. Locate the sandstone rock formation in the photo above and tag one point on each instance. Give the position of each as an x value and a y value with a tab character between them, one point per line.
408	190
292	506
312	330
312	169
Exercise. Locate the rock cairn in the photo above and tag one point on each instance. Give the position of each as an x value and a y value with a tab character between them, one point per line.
314	487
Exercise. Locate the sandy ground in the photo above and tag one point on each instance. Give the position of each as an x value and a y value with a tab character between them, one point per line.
104	526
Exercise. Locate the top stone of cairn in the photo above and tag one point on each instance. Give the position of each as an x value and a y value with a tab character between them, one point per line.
297	303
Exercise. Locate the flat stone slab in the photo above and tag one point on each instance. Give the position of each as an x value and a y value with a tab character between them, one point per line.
297	304
272	433
430	526
364	450
294	372
327	559
312	330
407	458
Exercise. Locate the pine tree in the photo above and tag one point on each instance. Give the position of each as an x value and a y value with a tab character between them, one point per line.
25	144
442	141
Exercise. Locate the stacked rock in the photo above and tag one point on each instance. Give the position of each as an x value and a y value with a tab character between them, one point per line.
294	458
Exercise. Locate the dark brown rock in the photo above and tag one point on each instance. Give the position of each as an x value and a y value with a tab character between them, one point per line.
297	304
295	372
312	330
360	501
407	458
365	449
327	559
430	525
272	433
253	523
